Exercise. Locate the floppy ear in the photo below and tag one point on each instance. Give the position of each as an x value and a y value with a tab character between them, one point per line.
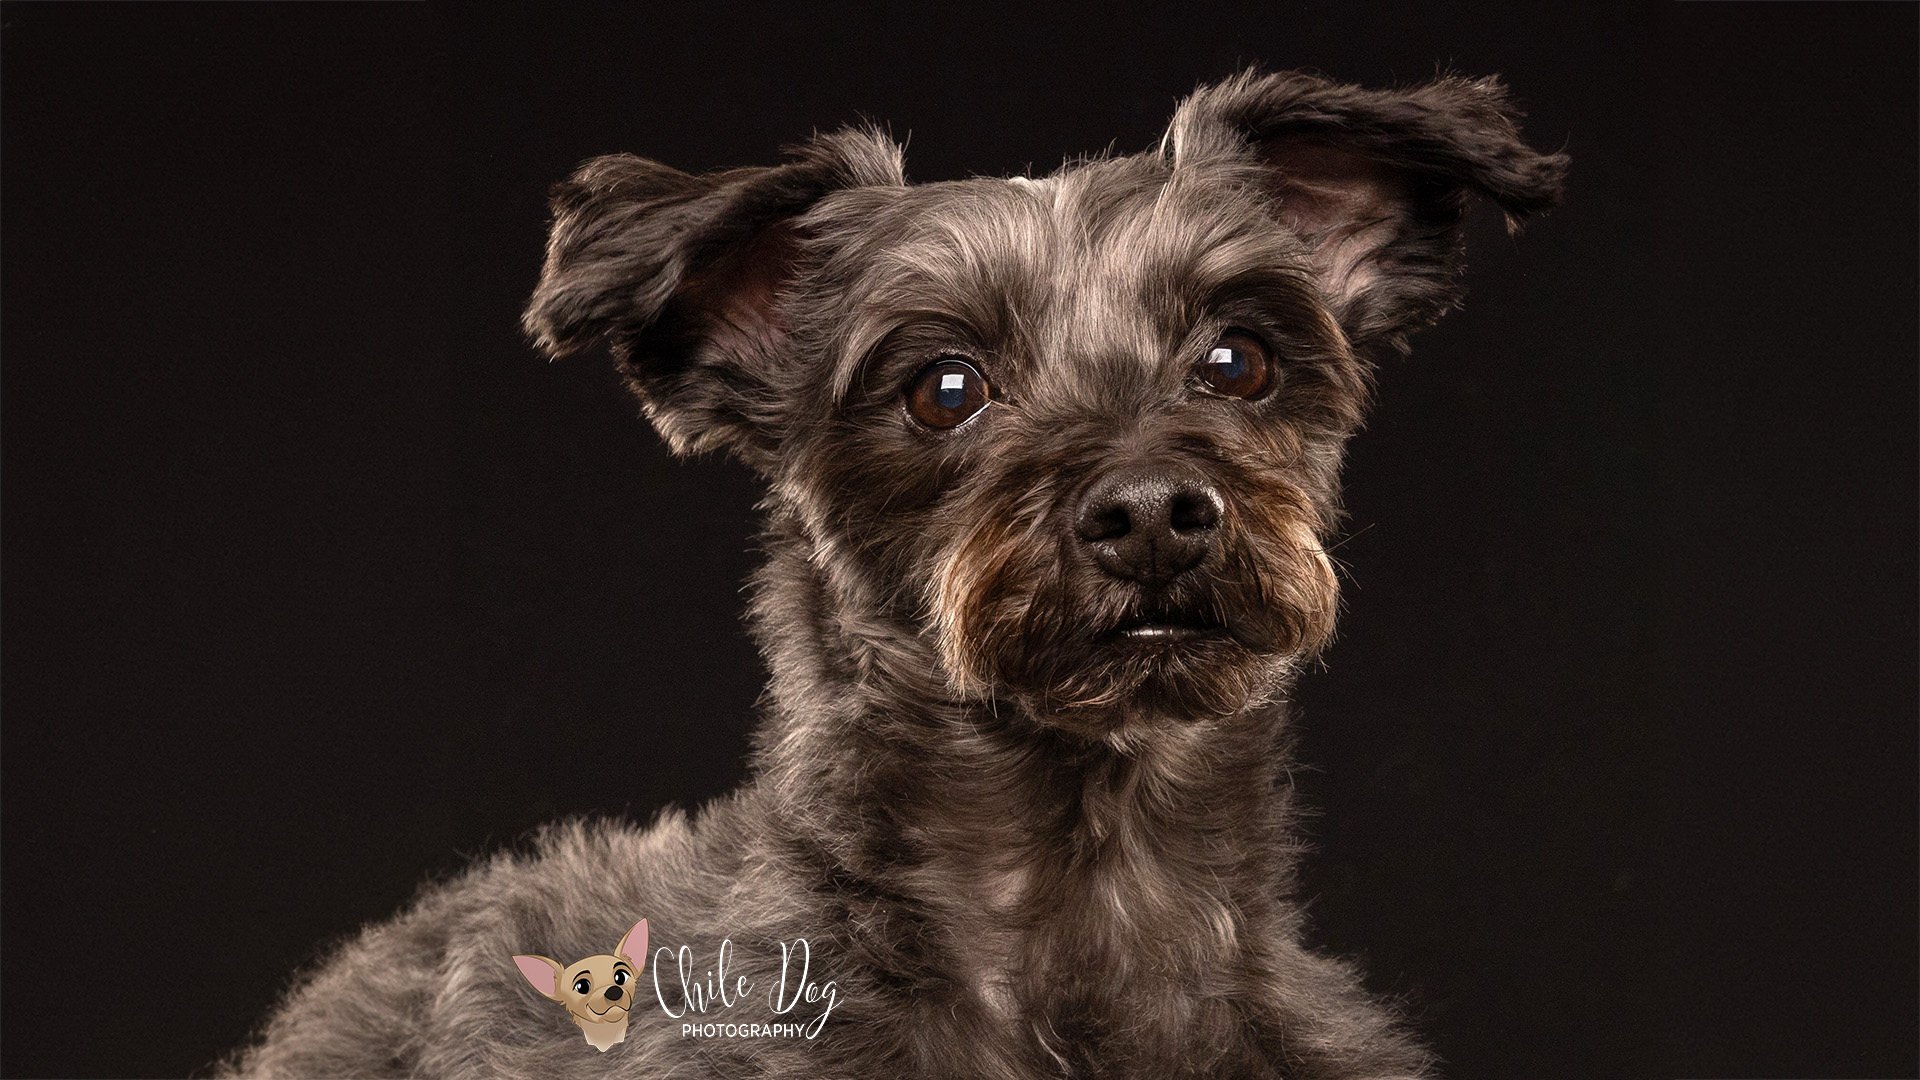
1375	182
543	973
684	275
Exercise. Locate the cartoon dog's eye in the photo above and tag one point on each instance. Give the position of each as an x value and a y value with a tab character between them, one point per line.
947	393
1238	365
620	978
581	985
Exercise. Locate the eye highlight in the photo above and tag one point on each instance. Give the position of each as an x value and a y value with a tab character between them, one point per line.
946	393
1238	366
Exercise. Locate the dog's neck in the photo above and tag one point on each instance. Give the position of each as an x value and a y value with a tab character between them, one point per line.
602	1034
985	822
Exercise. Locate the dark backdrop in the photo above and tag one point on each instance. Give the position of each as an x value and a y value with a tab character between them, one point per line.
317	580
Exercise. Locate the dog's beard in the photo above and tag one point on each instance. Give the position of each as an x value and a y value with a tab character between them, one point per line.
1020	610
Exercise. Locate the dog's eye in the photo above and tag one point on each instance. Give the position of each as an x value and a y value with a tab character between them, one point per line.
1238	366
620	978
582	986
946	393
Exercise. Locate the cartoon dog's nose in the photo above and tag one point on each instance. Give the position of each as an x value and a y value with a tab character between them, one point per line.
613	993
1149	523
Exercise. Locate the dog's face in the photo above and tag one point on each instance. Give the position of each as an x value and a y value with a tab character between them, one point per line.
598	991
599	988
1073	442
1083	433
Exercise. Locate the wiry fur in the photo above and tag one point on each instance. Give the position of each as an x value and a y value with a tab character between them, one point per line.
1019	850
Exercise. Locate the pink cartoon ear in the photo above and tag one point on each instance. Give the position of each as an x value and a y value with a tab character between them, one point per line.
634	945
543	973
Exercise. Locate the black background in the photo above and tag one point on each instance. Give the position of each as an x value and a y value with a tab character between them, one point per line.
317	580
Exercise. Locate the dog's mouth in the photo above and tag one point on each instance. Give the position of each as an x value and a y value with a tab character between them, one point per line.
1164	628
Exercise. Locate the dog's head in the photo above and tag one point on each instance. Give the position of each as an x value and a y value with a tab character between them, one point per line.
597	992
1073	441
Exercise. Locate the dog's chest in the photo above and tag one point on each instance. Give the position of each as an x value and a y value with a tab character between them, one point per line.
1125	975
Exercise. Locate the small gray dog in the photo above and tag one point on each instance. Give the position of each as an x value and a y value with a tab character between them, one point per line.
1051	464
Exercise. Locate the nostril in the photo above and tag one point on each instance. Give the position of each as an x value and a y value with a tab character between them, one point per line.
1107	523
1195	509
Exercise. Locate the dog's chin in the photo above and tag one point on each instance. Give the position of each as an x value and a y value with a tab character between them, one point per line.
1150	672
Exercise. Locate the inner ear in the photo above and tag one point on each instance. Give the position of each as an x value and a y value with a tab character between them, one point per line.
740	295
701	366
1346	206
542	973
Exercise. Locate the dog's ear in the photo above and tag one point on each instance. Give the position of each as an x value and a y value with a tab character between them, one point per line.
543	973
633	945
683	274
1374	181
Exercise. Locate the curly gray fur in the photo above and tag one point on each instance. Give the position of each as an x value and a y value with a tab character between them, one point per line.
1014	851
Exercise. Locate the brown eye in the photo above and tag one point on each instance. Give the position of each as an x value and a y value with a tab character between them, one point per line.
1238	366
946	393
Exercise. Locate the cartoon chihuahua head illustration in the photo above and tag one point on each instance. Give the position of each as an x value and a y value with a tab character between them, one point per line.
598	991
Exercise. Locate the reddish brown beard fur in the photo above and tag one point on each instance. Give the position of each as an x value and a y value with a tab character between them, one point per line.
1019	610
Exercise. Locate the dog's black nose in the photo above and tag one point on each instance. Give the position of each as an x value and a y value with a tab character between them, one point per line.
1149	524
613	993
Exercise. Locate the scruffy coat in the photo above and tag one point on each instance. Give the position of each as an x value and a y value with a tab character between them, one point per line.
1013	850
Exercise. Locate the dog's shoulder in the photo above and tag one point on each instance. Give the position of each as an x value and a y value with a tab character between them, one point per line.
408	995
579	884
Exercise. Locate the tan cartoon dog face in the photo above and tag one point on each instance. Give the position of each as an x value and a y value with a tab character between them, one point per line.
598	992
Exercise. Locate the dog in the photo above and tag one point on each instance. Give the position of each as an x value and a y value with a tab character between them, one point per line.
1052	464
597	992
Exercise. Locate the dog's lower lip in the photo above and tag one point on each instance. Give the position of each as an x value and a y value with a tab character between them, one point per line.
1158	633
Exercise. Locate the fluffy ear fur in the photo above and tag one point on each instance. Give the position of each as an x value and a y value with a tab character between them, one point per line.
684	273
1374	181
